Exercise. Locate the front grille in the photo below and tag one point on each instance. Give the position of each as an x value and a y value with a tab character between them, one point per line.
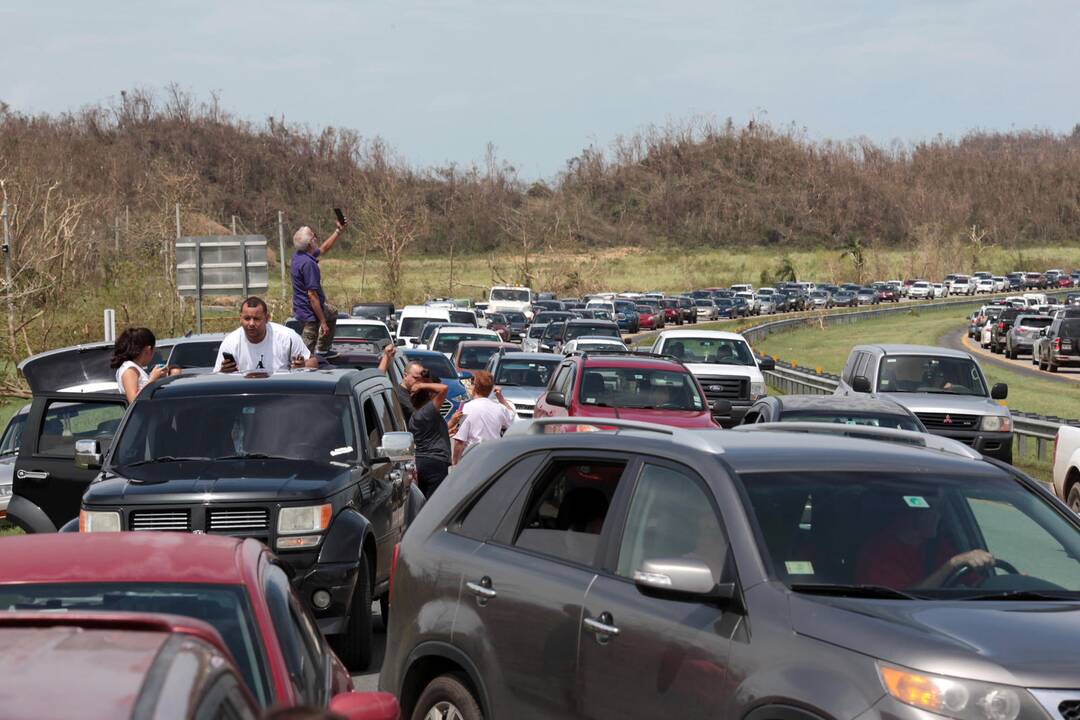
160	520
948	421
1070	709
446	407
237	521
525	411
725	388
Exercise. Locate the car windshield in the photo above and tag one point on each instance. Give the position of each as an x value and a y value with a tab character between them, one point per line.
509	295
552	330
640	388
601	330
929	374
438	366
706	303
526	373
497	318
209	427
515	317
429	330
447	342
225	607
466	317
412	326
974	535
897	422
819	294
476	358
720	351
536	331
359	332
194	354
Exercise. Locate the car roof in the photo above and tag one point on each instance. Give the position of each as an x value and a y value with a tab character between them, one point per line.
197	338
126	557
899	349
360	321
531	356
486	344
705	334
849	403
305	381
592	322
629	360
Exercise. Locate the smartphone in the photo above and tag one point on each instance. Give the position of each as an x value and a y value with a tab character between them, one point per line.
340	215
228	356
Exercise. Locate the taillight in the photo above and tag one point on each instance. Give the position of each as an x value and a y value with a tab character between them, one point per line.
1057	344
1001	326
393	567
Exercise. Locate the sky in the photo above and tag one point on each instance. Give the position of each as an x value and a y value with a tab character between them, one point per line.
541	80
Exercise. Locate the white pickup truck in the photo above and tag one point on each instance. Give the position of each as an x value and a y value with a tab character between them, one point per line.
1067	466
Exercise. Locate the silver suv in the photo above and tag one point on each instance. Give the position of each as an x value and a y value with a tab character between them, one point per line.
653	572
945	388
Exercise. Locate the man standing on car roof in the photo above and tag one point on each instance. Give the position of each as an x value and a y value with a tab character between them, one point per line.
309	302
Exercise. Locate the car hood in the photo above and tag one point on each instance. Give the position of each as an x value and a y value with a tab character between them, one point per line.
674	418
219	481
923	402
998	642
522	394
712	370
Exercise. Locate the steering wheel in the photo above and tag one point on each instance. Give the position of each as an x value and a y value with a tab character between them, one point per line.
956	575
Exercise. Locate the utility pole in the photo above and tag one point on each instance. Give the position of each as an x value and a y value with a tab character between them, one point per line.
281	250
233	224
7	274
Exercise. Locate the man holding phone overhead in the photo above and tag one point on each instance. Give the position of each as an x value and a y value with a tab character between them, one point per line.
261	346
309	302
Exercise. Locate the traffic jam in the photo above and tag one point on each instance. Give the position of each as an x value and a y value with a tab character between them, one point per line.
540	507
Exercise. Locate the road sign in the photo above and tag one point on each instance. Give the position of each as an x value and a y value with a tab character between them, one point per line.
220	265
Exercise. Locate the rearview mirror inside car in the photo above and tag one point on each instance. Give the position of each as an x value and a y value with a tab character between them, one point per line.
365	706
557	399
396	447
88	454
767	364
860	384
1000	391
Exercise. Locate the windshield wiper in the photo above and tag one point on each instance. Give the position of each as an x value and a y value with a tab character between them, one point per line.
1018	595
164	459
860	591
255	456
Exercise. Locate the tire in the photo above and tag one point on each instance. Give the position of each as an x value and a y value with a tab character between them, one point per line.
1009	354
354	645
1052	367
447	698
1042	365
1074	498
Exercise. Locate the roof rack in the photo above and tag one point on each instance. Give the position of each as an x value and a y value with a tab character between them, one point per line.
584	354
864	432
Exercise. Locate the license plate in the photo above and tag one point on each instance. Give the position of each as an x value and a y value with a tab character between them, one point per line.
1066	345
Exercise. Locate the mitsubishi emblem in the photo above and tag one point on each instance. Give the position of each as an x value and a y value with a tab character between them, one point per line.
948	420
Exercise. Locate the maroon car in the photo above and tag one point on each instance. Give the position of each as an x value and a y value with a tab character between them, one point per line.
646	388
235	585
106	665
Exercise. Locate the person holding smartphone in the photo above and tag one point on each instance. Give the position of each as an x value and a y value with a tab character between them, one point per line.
482	418
133	351
309	301
259	345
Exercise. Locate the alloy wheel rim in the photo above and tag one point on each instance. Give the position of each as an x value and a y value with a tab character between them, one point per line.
444	711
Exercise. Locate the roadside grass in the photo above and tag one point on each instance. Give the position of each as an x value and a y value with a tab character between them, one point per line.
828	348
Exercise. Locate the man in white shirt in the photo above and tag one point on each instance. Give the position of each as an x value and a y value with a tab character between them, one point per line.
483	417
259	345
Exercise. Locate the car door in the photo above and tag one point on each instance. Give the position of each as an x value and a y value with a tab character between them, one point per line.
643	656
380	493
45	472
522	590
558	383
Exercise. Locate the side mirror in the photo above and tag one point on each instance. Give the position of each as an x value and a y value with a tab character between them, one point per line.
1000	391
682	579
400	342
465	375
767	364
860	384
88	454
627	339
365	706
557	399
396	447
721	408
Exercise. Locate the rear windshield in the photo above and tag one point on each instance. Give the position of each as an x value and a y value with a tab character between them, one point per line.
515	317
525	373
467	317
552	330
411	326
928	374
438	366
447	342
640	388
720	351
195	354
476	358
601	330
536	331
360	332
1070	329
897	422
1035	322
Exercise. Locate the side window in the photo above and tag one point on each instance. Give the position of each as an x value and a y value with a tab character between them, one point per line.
302	674
12	439
566	385
386	417
483	517
557	379
849	368
224	701
372	428
393	407
671	518
65	422
312	651
861	368
567	507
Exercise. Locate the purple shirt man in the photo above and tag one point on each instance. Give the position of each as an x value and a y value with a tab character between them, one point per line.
309	302
306	276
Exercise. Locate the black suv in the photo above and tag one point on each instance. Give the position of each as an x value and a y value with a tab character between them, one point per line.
314	464
1000	329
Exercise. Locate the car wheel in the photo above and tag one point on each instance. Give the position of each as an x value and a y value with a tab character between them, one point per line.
1074	498
1009	353
354	645
1042	365
1051	367
446	698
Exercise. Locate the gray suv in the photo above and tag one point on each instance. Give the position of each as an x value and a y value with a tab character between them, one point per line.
655	572
945	388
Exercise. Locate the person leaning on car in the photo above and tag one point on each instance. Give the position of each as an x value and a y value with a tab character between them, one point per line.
259	345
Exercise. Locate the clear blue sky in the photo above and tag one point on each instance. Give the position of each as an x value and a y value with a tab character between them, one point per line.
439	79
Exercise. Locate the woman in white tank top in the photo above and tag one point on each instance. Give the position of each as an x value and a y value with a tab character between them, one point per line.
133	350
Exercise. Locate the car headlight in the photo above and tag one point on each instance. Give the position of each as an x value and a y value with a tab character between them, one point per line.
307	519
462	398
757	389
99	521
5	490
956	698
996	423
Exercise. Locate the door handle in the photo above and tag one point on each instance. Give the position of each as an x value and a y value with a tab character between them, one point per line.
482	590
603	627
33	475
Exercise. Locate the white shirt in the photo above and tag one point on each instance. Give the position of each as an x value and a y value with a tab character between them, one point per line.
274	354
143	377
484	419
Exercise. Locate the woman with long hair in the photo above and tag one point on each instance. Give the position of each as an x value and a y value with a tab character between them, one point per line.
133	351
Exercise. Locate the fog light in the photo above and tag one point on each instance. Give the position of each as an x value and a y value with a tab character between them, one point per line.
321	599
297	541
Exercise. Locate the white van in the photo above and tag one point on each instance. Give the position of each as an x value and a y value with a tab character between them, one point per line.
511	299
413	319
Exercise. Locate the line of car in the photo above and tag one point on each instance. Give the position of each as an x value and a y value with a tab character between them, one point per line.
1032	324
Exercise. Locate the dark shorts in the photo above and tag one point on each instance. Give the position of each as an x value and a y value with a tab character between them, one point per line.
430	473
